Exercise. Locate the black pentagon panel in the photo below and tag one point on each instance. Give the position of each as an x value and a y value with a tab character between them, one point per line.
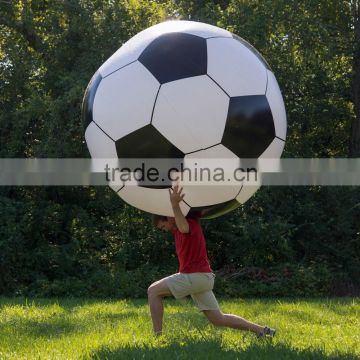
88	100
249	128
213	211
252	49
175	56
148	143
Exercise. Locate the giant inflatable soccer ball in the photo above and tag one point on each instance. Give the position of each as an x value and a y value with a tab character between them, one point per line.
185	89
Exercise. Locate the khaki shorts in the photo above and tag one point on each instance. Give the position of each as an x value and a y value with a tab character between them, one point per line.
198	285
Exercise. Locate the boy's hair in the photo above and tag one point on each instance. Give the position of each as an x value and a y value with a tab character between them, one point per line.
157	218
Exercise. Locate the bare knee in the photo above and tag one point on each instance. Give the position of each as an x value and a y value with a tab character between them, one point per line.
151	291
216	317
158	289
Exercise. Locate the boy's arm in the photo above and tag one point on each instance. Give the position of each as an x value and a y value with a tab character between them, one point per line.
176	197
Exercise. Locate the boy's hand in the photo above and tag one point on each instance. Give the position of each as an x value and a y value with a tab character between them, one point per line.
176	195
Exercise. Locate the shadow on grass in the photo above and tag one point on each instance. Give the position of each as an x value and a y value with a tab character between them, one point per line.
60	326
213	350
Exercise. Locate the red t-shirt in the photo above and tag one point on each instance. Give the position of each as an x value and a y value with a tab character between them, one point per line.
191	249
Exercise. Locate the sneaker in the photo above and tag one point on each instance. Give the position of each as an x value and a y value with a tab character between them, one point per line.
268	332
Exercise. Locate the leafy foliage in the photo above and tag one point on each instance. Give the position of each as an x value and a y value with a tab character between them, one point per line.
86	242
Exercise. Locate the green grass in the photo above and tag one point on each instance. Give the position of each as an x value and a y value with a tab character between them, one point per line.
99	329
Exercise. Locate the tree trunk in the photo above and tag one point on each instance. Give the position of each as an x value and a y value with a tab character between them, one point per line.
355	126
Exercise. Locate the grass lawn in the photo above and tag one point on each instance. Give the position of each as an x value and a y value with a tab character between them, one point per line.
121	329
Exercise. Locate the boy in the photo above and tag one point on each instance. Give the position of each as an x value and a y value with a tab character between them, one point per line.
195	276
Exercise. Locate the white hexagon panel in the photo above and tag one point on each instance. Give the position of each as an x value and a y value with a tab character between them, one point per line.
120	110
210	168
276	102
235	67
191	113
154	201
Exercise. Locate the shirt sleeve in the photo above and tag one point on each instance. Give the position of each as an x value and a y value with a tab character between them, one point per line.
193	224
194	215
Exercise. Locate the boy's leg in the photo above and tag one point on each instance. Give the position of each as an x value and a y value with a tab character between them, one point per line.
207	303
156	292
217	318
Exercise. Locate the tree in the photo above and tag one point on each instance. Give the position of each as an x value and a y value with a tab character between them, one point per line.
355	126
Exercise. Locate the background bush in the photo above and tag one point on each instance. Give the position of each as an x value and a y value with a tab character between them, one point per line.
84	241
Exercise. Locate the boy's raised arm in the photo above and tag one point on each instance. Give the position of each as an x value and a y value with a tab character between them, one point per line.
176	197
